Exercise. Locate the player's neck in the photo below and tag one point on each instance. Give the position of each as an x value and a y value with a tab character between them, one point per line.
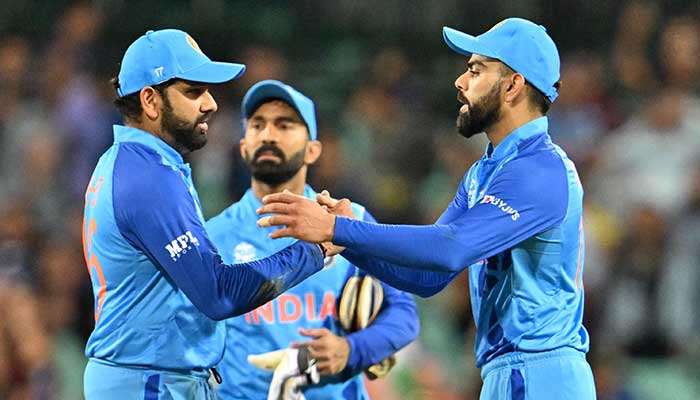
294	185
507	124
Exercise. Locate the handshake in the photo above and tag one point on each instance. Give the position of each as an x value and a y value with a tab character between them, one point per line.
305	219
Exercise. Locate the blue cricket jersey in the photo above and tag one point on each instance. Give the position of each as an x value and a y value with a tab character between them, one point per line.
158	282
311	304
516	223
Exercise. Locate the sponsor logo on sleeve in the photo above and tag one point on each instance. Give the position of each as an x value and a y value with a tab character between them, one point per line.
502	205
181	244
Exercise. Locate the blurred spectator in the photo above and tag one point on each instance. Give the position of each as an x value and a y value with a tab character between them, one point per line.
633	317
646	161
680	285
678	53
633	77
386	141
583	112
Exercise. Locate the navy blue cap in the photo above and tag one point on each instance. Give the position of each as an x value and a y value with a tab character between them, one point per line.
159	56
272	89
520	44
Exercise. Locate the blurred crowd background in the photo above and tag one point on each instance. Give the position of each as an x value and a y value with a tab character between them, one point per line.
382	80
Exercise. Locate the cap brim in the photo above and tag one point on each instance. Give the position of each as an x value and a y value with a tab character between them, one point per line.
275	89
214	72
266	90
466	44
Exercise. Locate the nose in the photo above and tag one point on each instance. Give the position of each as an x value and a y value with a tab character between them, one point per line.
462	82
208	103
268	134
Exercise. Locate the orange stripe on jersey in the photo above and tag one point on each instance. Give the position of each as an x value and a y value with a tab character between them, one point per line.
102	292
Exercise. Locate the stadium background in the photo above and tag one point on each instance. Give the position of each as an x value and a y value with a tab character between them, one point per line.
382	78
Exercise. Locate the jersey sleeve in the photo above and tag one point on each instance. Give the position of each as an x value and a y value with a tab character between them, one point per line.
396	326
527	196
420	282
156	213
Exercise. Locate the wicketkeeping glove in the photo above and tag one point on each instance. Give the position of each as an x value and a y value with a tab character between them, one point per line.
360	303
293	368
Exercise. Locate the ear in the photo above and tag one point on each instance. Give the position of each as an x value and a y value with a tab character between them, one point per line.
241	147
515	87
313	152
150	101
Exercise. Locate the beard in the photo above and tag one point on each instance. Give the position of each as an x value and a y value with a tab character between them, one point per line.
482	113
274	173
187	136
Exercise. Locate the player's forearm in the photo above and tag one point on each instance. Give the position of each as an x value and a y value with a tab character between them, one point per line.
221	291
274	275
429	247
395	327
422	283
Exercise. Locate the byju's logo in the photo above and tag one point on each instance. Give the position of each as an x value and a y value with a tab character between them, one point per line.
181	244
502	205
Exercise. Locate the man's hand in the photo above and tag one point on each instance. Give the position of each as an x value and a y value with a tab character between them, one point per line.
341	207
331	352
303	218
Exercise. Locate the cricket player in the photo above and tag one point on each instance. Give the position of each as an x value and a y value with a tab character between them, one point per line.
160	287
279	144
515	222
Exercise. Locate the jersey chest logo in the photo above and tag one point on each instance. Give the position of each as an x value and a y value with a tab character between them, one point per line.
289	308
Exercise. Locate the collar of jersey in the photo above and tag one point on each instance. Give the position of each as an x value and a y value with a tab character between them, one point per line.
512	141
130	134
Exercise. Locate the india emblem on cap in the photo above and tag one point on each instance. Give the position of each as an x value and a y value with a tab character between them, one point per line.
194	44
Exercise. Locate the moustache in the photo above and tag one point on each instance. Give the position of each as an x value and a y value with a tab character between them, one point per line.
462	99
204	117
271	148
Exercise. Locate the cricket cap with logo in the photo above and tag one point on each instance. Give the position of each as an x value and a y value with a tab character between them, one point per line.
272	89
520	44
159	56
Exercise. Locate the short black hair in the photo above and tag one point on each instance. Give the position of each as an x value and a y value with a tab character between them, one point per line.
129	106
535	96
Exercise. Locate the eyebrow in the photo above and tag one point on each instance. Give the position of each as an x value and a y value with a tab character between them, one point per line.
283	118
480	63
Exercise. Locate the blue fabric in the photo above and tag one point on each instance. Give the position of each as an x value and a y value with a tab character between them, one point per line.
158	282
311	304
517	385
515	222
561	374
151	391
103	381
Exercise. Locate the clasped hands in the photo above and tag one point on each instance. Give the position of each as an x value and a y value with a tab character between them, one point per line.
304	219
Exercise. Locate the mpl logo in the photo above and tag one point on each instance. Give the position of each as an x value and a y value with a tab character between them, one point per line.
181	244
502	205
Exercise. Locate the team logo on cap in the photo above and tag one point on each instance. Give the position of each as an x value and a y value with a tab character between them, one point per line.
194	44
